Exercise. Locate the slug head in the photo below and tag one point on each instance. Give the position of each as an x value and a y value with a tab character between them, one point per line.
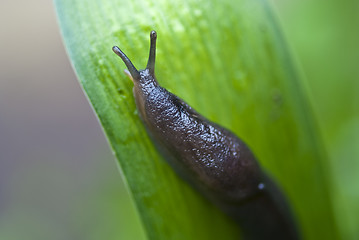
144	80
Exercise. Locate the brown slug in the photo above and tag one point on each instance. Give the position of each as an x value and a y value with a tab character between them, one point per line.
211	158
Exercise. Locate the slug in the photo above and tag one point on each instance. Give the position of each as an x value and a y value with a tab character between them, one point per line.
211	158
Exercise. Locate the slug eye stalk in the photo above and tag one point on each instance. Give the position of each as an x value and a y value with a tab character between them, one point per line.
131	68
152	55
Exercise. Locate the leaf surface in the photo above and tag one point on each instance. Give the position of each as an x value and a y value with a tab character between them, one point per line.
228	60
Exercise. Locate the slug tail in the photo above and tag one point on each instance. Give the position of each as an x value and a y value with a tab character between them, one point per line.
131	68
152	56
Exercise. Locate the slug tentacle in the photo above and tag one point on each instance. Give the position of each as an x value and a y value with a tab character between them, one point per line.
133	71
211	158
152	56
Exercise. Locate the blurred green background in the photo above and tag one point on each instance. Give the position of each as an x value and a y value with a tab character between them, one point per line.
58	178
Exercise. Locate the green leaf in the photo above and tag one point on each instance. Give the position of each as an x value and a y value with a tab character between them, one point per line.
225	58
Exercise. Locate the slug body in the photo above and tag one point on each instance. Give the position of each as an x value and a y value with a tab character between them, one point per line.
211	158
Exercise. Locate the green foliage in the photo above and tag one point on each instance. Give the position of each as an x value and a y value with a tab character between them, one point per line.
226	59
327	49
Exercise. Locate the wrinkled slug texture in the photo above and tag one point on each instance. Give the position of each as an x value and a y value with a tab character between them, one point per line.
211	158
